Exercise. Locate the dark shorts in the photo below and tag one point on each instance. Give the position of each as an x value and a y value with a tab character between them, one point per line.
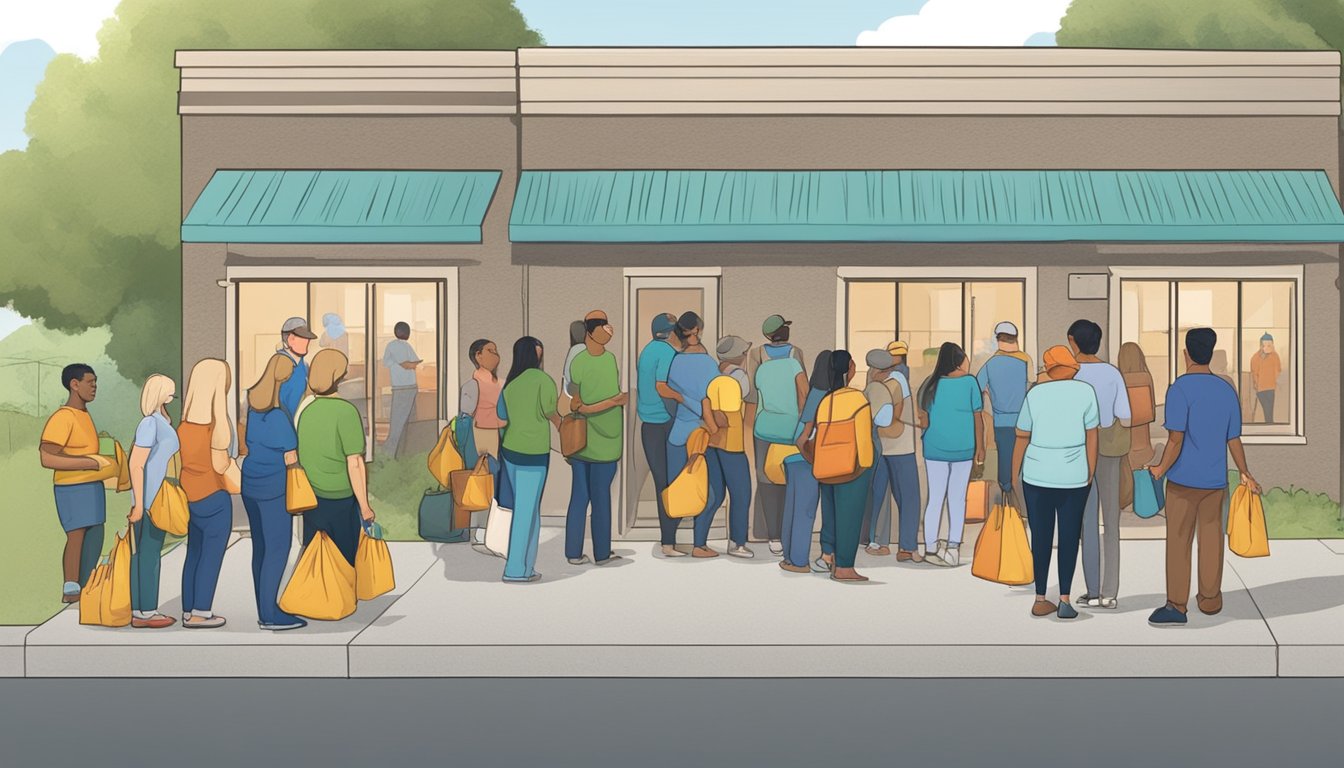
81	506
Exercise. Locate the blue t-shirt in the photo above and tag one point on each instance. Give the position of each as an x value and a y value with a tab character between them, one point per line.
1058	415
158	435
654	363
295	387
809	414
951	432
1205	408
1004	376
269	436
689	376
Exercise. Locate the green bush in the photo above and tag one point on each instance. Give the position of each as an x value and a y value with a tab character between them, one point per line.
1295	513
395	488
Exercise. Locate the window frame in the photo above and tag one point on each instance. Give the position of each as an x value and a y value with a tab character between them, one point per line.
1252	434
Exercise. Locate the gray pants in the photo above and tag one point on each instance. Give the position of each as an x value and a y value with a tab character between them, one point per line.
1099	550
768	516
403	401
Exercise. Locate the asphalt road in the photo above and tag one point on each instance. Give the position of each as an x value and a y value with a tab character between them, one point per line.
685	723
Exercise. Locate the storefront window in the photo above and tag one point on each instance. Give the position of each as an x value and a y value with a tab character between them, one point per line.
415	304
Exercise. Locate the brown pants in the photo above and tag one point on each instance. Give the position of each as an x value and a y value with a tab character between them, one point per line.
1188	510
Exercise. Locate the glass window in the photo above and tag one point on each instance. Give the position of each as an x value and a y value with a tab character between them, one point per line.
417	305
337	313
987	305
930	314
1266	345
262	309
1145	319
872	319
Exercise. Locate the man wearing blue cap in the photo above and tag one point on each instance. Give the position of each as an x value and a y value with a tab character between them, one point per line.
655	416
1265	370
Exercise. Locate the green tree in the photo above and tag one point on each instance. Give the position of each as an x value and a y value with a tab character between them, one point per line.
90	211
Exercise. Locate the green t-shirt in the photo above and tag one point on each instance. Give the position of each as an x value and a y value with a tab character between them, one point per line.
595	379
529	400
329	431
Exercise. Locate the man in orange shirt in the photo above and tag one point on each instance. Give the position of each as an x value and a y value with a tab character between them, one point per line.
1265	370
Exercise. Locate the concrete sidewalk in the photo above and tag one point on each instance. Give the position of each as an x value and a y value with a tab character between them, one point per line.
647	616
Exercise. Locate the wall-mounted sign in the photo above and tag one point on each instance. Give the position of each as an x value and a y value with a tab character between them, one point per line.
1089	286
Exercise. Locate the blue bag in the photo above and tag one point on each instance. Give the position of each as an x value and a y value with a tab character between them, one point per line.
436	518
1150	495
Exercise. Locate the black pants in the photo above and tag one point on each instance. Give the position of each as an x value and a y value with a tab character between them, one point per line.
1044	507
339	519
654	437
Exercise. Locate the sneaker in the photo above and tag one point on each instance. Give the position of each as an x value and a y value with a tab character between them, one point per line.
1088	601
1066	611
741	551
580	560
879	550
671	551
296	624
820	565
704	552
1167	616
776	547
1108	603
610	559
951	556
933	558
196	622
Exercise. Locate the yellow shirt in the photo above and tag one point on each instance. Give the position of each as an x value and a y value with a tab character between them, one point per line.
73	430
725	396
846	404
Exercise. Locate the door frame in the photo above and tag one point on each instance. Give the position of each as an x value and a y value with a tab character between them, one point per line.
709	280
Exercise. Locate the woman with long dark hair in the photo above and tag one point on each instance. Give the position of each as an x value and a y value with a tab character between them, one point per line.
527	402
842	458
954	440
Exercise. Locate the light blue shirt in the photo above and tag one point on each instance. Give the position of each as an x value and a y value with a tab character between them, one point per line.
951	432
397	352
689	376
1109	384
1004	376
654	363
156	434
1058	415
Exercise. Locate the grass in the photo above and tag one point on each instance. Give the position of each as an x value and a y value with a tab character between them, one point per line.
1294	513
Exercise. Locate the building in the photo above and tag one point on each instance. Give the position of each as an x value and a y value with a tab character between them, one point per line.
864	193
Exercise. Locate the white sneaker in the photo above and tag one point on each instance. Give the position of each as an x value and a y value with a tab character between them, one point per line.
776	547
478	535
741	551
671	551
951	556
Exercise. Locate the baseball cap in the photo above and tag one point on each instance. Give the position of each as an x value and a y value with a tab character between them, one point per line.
299	327
1005	328
662	326
773	323
732	346
898	347
879	359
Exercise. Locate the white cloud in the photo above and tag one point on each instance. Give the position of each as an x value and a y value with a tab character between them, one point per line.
11	321
969	22
68	26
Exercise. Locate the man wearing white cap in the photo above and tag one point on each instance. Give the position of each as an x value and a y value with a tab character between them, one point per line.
1003	379
294	340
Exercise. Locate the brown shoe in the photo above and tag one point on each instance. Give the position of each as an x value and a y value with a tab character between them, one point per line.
791	568
879	551
703	552
851	576
157	621
1209	606
72	598
1041	608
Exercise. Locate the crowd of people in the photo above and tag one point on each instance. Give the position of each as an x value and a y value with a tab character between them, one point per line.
1065	435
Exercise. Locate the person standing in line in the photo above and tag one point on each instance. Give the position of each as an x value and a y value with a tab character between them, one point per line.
479	420
778	390
401	361
729	469
295	337
1203	422
849	493
1055	455
155	444
895	468
1103	500
69	447
595	385
1003	378
209	477
1265	369
655	418
526	404
688	384
272	448
802	491
954	440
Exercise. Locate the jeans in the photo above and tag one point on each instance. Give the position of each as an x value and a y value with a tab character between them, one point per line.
145	566
801	492
876	530
1098	549
272	533
524	534
901	474
1005	438
207	537
848	500
729	474
947	480
339	519
592	485
1044	507
1266	399
768	517
403	402
827	520
654	438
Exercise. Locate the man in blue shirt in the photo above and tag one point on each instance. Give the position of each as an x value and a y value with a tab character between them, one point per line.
1003	378
1203	419
655	416
294	340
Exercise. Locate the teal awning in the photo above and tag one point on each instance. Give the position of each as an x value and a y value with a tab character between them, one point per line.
341	207
925	206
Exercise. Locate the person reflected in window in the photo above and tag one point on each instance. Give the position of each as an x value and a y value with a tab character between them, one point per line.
401	361
1265	369
334	334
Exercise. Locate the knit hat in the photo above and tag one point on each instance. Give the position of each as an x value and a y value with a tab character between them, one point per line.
1266	337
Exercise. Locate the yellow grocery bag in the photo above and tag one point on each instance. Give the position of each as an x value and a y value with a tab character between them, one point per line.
116	476
1002	553
373	565
170	512
688	494
473	489
105	600
774	461
323	584
446	459
299	495
1247	534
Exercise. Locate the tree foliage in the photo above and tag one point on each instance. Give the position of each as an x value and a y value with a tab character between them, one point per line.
90	211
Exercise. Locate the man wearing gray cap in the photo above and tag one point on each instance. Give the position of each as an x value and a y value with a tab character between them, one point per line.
294	340
888	394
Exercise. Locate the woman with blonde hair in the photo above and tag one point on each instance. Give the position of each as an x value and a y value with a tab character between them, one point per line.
155	445
331	451
272	447
209	476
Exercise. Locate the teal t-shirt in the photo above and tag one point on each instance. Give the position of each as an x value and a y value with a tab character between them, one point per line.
1058	415
330	430
594	379
528	401
951	432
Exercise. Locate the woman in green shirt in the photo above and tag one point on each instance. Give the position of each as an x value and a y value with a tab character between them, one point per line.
526	404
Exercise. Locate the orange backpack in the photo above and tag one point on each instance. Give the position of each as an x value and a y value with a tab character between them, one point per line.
836	453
